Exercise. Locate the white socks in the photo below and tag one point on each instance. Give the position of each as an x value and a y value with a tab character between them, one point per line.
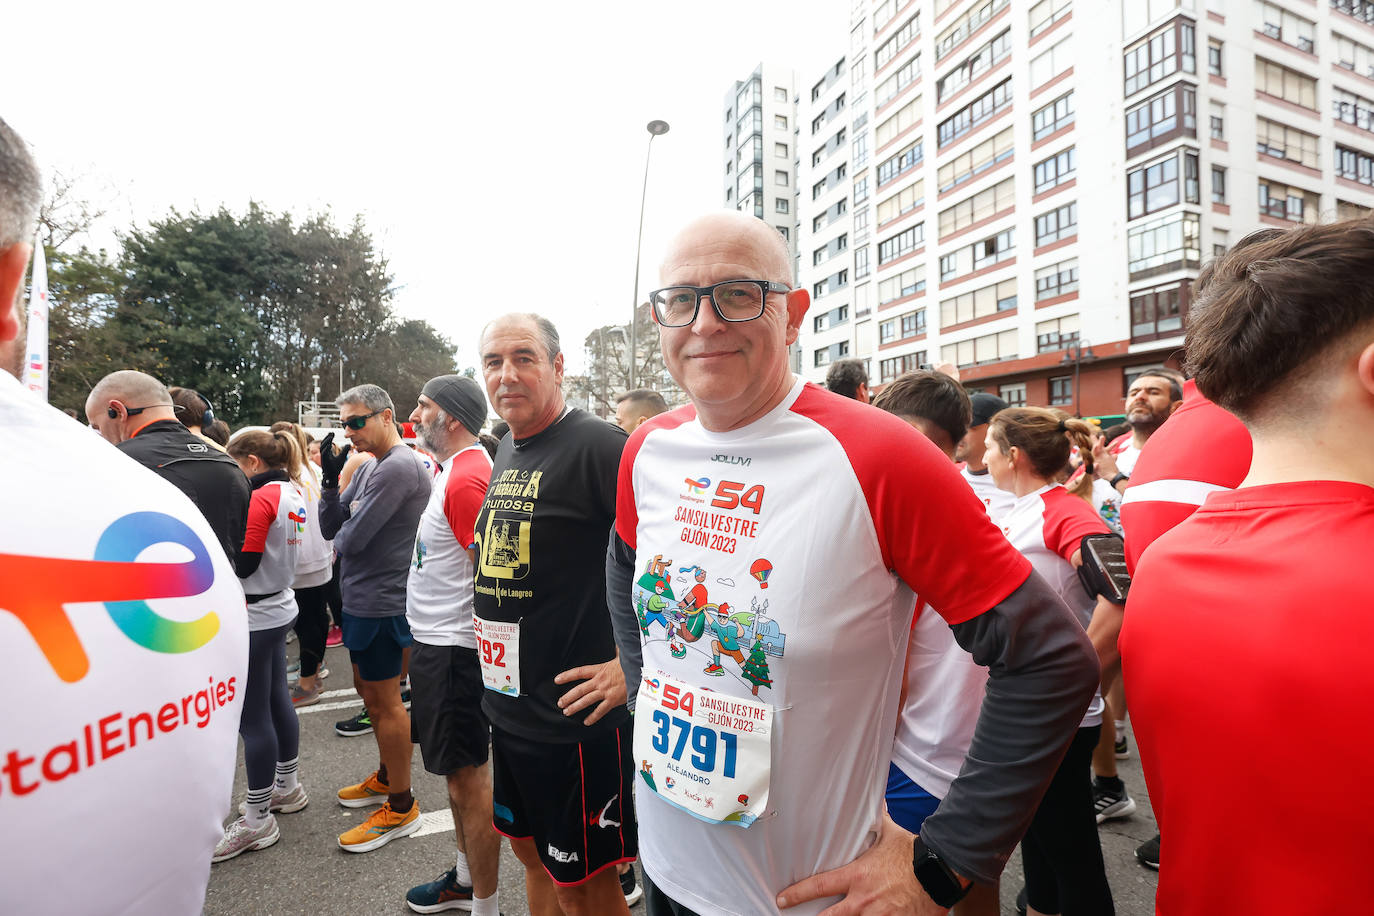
464	877
258	803
286	775
485	906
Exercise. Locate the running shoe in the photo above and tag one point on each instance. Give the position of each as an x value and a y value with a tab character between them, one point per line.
293	665
240	838
335	637
714	670
405	696
1022	904
1123	750
290	636
1111	801
380	828
371	791
302	697
1147	853
285	803
630	888
322	673
361	724
443	893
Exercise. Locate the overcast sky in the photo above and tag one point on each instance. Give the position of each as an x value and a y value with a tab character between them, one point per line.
495	150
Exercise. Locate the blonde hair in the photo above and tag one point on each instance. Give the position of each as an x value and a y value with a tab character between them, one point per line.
278	450
302	447
1045	436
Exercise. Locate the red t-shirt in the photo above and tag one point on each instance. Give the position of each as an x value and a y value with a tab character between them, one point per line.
1243	647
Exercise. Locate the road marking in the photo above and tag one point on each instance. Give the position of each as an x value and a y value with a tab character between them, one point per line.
325	707
435	822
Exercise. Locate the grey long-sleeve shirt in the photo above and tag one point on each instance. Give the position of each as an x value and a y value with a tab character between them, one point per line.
373	524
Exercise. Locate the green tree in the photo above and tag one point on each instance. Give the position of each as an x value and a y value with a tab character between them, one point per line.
608	375
85	290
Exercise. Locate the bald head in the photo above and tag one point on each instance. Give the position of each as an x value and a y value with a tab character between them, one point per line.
135	398
729	236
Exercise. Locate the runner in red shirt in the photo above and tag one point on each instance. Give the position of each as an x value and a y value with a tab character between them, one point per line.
1240	613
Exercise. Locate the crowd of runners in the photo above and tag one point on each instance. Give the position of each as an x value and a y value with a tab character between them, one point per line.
789	649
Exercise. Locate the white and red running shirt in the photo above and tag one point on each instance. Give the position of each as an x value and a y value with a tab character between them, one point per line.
1047	526
439	590
315	556
126	652
785	556
1251	623
276	524
995	500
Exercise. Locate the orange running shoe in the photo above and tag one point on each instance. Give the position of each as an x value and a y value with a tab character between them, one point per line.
371	791
383	826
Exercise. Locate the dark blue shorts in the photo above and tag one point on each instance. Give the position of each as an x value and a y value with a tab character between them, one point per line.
375	644
907	803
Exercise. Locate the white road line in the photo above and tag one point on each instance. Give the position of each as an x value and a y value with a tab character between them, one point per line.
435	822
324	707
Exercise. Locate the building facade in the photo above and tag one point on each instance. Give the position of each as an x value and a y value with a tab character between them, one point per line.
1027	190
759	161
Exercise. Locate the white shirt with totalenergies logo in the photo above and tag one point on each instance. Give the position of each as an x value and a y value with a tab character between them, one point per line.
775	568
124	625
276	525
1048	526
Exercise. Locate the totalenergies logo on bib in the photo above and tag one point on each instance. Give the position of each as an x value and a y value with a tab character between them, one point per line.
37	589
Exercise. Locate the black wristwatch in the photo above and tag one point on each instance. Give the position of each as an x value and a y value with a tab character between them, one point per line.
935	876
1118	478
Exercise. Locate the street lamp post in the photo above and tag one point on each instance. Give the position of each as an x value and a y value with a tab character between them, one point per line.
1080	353
656	129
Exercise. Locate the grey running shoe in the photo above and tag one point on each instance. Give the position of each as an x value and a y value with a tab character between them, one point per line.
1111	801
288	803
240	838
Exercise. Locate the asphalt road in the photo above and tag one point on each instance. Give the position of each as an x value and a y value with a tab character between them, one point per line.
306	872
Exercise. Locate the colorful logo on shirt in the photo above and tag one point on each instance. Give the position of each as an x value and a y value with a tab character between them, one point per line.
298	518
698	486
37	590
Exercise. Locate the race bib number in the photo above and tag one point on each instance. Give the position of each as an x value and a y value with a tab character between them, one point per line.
703	751
498	651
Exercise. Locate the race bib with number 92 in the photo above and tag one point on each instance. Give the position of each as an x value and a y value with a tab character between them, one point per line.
498	652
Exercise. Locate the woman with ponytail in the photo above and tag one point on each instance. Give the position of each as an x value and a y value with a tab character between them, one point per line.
1027	451
267	566
314	569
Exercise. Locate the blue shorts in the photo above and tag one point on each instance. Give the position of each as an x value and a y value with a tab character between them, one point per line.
907	803
375	644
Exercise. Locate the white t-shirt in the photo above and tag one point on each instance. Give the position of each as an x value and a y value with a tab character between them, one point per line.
815	538
315	556
134	669
276	521
439	589
996	501
1047	526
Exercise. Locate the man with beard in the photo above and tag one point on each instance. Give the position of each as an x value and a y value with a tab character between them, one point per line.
446	717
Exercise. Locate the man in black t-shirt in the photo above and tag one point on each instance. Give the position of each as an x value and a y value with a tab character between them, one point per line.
562	774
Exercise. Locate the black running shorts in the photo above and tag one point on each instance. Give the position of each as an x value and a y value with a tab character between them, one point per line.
446	717
573	800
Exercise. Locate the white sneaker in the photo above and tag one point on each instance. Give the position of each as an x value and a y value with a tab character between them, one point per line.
240	838
288	803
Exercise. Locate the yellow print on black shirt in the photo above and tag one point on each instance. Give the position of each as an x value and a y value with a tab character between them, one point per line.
505	541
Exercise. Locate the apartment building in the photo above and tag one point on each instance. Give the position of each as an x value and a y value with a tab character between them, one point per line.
759	161
1027	190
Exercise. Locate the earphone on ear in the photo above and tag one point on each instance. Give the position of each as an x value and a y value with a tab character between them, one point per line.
208	417
114	414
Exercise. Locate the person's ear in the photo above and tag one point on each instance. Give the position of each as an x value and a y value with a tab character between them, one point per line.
1364	369
13	262
798	301
558	367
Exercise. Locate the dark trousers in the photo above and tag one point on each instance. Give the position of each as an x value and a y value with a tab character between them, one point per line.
657	903
268	723
1061	853
312	626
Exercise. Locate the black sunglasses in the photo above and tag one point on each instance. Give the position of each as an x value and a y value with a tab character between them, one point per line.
357	423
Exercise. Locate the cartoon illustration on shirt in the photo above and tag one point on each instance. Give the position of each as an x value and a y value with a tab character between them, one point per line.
652	600
420	551
726	641
760	570
646	770
690	612
504	545
756	668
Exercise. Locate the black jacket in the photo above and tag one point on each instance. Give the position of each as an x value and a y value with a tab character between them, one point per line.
208	476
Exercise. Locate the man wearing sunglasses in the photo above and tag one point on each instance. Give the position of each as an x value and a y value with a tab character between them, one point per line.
773	770
372	523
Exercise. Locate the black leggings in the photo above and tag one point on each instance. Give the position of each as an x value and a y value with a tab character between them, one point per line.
312	626
335	595
268	724
1061	853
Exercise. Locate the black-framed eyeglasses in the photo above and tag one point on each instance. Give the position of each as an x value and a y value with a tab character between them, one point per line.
733	300
357	423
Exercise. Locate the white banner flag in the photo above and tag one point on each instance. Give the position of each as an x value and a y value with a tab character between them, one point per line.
36	359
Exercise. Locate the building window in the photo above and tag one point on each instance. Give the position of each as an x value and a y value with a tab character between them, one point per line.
1362	10
1282	83
1214	57
1158	312
1354	56
1218	185
967	166
1056	334
990	348
780	150
831	319
779	94
1046	13
780	122
913	323
780	205
1161	118
1353	109
859	151
1160	55
1056	225
979	303
1216	120
897	122
861	224
1288	27
1054	116
780	178
991	250
782	231
1050	63
995	100
1347	210
892	87
899	40
901	163
860	190
987	203
1158	185
1164	244
903	202
976	64
1061	390
1283	142
861	268
1054	171
1354	165
830	284
1014	395
1284	202
1056	280
907	283
827	355
889	369
901	244
966	25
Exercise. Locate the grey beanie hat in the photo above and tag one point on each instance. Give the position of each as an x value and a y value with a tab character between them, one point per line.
461	398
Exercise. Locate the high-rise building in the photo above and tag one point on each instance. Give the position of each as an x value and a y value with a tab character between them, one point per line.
1027	190
759	158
